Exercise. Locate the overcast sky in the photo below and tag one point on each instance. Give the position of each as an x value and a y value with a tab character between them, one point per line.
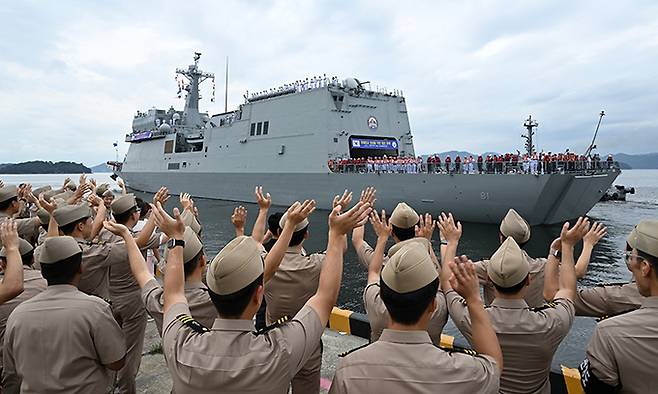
72	74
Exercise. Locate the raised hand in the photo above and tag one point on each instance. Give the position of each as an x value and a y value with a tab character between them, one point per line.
92	183
239	217
343	200
172	227
161	196
82	180
9	234
595	234
380	224
66	182
464	280
79	193
24	190
342	223
94	200
186	201
451	232
425	227
300	211
116	228
264	200
47	205
556	245
368	195
571	236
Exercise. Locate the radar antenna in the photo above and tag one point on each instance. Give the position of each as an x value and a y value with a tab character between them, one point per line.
529	124
195	77
592	145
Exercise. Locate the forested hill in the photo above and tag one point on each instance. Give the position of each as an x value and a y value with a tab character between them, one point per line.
44	167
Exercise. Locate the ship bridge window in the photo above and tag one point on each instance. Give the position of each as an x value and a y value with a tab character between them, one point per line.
259	128
266	127
169	146
253	130
369	146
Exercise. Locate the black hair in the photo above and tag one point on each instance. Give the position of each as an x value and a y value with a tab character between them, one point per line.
512	289
233	305
6	204
298	237
67	229
191	265
122	218
403	234
28	258
652	260
521	245
273	222
407	308
144	208
63	271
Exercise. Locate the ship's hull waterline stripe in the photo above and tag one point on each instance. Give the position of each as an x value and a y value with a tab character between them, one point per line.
563	381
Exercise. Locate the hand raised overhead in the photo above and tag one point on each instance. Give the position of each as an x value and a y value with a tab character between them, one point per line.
172	227
451	232
464	280
342	223
264	200
380	224
571	236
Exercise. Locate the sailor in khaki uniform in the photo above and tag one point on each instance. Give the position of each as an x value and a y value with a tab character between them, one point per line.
33	283
194	264
295	281
28	228
623	351
229	356
404	360
528	336
97	256
403	221
61	340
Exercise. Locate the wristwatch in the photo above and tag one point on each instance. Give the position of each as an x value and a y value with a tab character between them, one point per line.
557	254
172	243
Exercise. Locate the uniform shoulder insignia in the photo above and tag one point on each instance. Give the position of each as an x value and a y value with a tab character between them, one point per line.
272	326
458	349
606	284
188	321
604	317
343	354
544	307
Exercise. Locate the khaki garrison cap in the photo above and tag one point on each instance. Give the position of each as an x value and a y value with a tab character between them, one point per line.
123	204
193	245
101	189
404	216
71	186
43	215
8	192
50	194
513	225
190	220
24	248
42	189
237	265
71	213
56	249
644	237
508	266
409	269
108	193
300	226
418	240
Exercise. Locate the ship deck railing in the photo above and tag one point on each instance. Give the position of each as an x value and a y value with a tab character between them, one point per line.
553	167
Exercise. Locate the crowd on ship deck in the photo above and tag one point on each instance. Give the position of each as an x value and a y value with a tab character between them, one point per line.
83	267
508	163
298	86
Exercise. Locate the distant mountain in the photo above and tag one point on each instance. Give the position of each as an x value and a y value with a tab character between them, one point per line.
646	161
44	167
100	168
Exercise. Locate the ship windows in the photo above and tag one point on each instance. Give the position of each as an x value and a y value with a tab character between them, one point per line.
266	127
169	146
173	166
253	130
259	128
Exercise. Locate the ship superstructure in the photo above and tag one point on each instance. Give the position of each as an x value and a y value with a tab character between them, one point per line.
285	139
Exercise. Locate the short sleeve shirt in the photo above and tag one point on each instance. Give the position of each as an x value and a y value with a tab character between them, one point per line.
406	362
528	338
624	349
607	300
365	252
201	307
231	358
82	337
97	257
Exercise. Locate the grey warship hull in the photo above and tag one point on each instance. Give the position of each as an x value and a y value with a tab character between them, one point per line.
544	199
286	140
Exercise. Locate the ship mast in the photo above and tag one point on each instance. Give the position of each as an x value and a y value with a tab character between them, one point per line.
529	124
195	77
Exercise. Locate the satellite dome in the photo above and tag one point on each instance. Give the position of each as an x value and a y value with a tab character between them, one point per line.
165	128
351	83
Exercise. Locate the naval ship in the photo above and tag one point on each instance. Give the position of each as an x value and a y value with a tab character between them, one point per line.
285	140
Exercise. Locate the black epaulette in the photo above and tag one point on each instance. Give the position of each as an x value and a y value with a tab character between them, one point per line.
191	323
458	349
613	315
544	307
605	284
343	354
272	326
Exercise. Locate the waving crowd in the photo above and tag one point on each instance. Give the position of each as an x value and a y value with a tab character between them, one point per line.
79	281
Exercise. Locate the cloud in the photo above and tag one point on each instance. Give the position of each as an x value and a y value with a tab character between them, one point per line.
75	74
